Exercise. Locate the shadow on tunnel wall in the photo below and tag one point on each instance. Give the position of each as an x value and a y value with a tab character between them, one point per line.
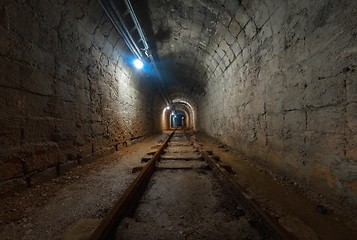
179	70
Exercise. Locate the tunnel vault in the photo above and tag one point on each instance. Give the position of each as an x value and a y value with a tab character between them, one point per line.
275	80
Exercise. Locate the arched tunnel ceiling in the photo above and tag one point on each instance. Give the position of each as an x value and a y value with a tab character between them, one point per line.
184	31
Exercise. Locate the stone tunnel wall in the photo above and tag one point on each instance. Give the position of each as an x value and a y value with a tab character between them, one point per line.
67	95
282	87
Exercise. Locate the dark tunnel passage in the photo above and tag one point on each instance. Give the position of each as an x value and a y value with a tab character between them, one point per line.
178	119
274	80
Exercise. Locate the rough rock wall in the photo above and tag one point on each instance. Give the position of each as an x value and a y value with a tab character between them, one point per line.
67	95
282	87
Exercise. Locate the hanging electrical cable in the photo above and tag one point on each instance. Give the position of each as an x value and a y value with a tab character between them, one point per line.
139	47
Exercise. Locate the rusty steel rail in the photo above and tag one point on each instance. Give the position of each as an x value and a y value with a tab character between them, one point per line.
129	199
265	221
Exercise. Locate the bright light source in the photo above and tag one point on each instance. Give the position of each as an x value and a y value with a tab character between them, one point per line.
168	108
138	64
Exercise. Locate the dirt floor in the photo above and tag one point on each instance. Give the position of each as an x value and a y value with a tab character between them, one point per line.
306	214
86	193
184	201
185	204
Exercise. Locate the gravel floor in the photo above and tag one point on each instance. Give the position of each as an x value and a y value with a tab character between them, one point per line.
185	204
87	191
298	210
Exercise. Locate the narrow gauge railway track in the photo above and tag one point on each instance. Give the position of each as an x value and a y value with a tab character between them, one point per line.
182	200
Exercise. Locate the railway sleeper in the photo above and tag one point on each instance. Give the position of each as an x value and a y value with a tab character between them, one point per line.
184	200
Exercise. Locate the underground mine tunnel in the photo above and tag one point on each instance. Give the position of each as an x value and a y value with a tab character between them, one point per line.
270	86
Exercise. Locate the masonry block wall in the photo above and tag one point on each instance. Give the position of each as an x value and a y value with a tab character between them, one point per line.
282	86
67	94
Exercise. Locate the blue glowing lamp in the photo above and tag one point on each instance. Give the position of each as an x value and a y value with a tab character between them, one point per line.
138	64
